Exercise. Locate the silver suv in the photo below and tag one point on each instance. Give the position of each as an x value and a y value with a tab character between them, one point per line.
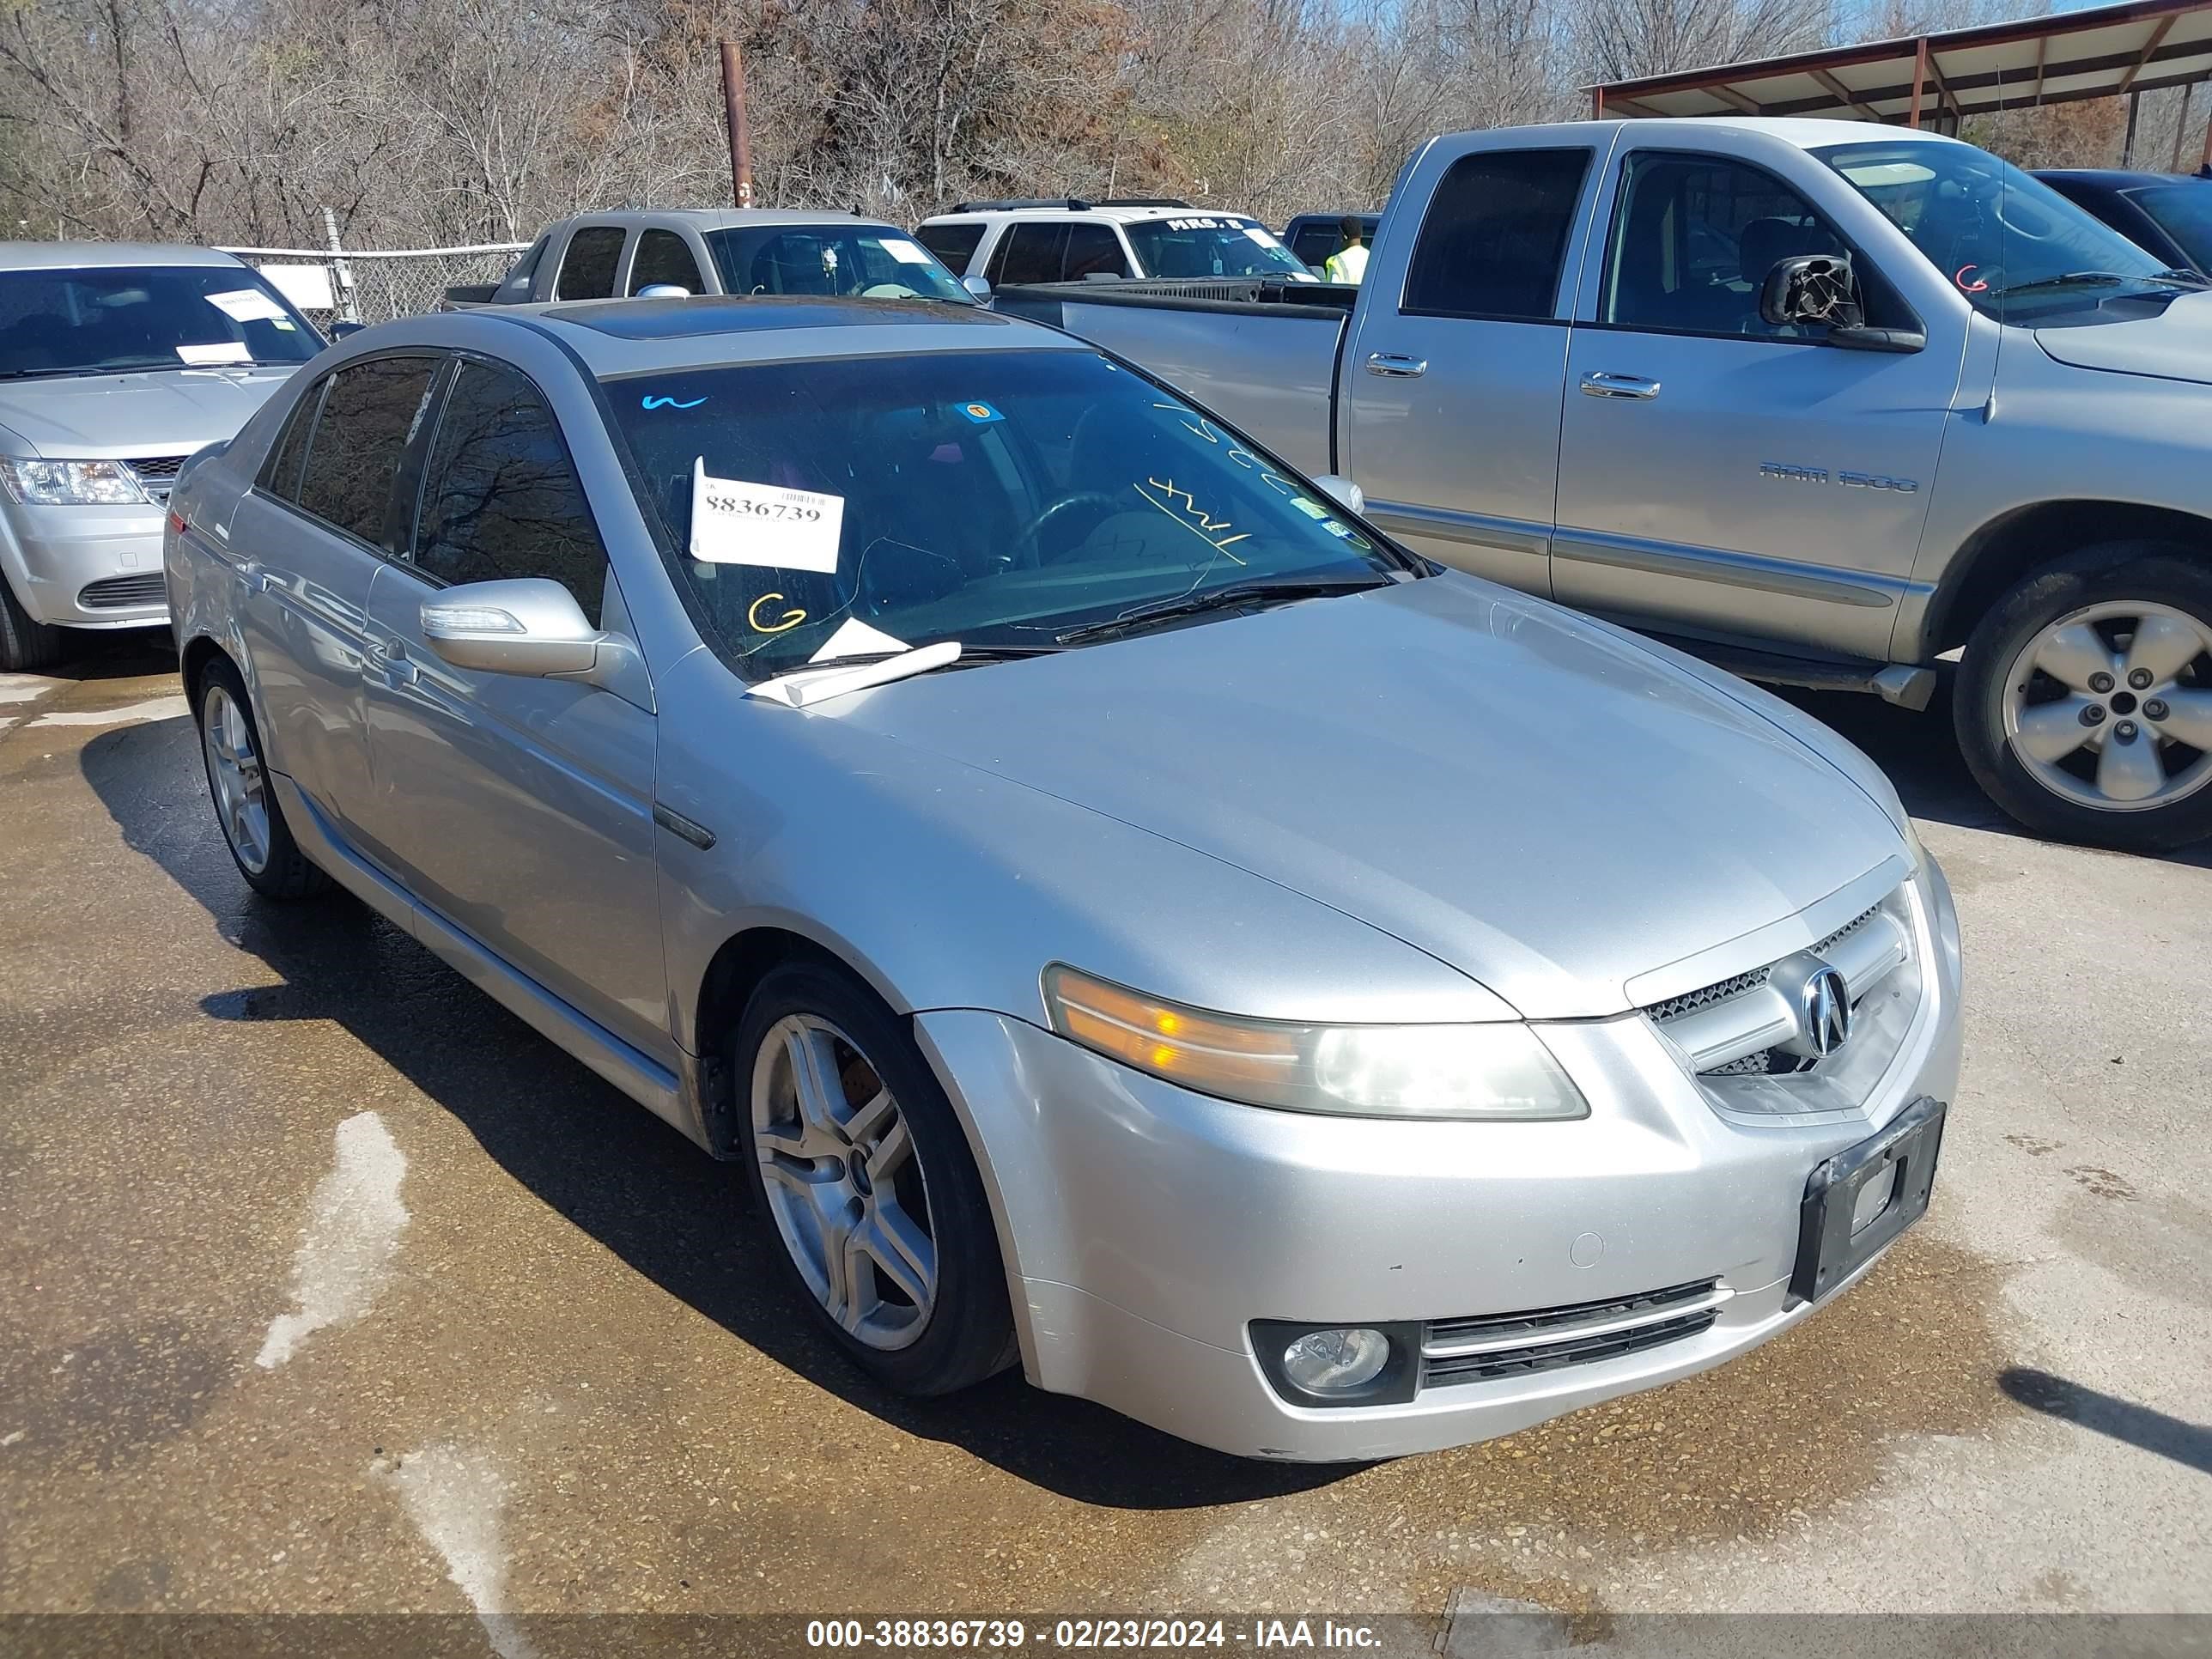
117	361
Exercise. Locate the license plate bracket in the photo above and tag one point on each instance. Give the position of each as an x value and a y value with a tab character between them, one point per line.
1904	1151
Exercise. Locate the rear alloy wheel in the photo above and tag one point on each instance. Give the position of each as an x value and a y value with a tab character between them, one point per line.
253	826
862	1168
2085	706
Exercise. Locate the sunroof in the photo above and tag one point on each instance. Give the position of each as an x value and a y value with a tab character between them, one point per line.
681	320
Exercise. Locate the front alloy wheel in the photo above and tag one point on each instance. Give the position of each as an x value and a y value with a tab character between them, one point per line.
843	1185
853	1153
2084	700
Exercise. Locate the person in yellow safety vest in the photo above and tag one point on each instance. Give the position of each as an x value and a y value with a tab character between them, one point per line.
1349	263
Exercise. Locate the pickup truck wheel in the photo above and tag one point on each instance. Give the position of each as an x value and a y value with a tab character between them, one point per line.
856	1159
2084	702
24	644
253	826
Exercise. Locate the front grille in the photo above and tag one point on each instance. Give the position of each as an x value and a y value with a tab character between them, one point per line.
1551	1356
116	592
157	473
1483	1346
1689	1001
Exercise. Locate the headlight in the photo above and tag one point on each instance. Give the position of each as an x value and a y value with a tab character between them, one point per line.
1499	1072
71	484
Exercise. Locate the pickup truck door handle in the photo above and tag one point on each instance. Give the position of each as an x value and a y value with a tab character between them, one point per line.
1600	384
257	579
1396	365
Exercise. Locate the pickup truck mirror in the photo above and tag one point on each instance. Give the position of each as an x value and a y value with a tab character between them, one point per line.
1814	290
664	291
1341	490
1818	290
339	331
980	287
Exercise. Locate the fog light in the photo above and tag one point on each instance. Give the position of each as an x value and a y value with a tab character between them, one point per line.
1336	1362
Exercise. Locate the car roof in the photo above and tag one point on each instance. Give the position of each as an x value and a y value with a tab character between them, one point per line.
80	256
2118	177
715	218
616	337
1122	215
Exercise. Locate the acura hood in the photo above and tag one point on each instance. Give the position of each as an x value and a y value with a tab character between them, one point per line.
1524	795
111	416
2176	345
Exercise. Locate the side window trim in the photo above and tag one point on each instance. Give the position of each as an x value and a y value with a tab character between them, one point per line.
1578	226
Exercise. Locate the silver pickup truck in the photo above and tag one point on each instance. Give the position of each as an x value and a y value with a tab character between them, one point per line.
1822	402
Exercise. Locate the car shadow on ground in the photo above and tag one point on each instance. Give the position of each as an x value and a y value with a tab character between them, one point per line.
1921	758
605	1164
126	653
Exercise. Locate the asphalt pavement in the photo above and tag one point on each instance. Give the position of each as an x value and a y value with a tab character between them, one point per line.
331	1287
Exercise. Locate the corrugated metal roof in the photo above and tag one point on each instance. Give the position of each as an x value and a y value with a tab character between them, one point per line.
2097	53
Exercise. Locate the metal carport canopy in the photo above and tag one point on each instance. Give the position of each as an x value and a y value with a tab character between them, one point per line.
2102	52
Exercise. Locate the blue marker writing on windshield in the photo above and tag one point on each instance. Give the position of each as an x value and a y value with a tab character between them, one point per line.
655	401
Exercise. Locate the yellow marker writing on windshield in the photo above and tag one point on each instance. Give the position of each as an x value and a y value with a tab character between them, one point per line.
784	624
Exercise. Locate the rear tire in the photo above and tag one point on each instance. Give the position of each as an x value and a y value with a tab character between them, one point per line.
245	807
2084	700
25	644
858	1166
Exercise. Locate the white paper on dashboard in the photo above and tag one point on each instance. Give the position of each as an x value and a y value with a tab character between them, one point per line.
1259	235
804	686
854	638
907	254
735	522
247	305
226	351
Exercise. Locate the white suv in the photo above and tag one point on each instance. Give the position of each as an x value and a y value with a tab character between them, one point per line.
1067	240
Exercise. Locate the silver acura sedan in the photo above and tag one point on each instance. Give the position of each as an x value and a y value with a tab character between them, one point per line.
1121	913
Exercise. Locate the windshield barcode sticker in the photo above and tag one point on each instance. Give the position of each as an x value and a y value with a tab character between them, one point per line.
734	522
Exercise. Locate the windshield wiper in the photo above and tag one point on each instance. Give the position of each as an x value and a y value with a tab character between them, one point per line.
2096	279
1234	595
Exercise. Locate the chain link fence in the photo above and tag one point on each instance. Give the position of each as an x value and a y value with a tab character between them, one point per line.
375	285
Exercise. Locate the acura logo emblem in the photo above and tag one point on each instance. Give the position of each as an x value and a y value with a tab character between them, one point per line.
1823	1013
1819	1001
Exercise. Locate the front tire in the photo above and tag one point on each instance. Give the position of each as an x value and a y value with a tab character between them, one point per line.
25	644
253	826
2084	700
859	1166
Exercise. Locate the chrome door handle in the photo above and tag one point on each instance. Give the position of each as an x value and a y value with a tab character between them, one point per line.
257	579
1396	365
1600	384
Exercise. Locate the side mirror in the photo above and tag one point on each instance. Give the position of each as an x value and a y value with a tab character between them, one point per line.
528	625
1818	290
1341	490
339	331
980	287
664	291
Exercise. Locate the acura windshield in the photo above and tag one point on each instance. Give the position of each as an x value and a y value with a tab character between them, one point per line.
110	320
1002	499
872	260
2013	246
1213	245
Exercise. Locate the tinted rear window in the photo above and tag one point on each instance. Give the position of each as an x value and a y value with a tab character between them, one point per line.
1497	234
954	244
369	416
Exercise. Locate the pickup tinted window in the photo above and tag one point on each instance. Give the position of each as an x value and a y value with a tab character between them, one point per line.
662	257
369	416
1497	234
587	269
500	497
954	244
1693	238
